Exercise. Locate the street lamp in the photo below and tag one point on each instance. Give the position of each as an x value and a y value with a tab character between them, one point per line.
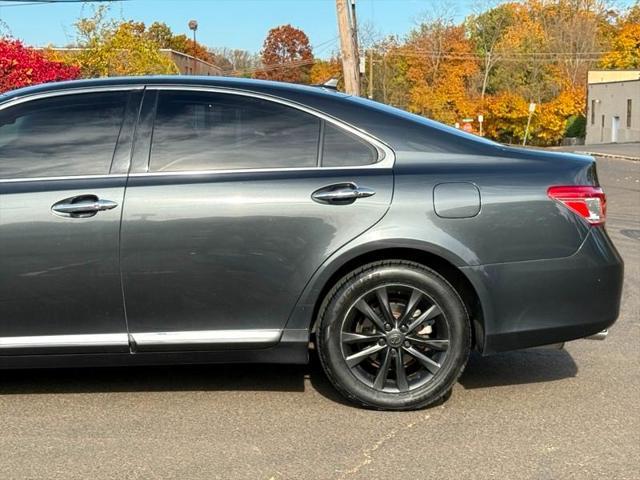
193	26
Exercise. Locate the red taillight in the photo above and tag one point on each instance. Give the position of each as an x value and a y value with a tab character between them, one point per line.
588	202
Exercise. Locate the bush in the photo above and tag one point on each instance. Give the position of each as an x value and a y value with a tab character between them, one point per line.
21	66
576	126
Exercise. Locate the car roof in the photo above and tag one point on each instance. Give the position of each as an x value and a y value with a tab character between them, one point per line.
191	80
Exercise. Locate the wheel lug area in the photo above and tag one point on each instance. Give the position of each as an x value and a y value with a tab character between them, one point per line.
382	342
387	327
404	328
407	343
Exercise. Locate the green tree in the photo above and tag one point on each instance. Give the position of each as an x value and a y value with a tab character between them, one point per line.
160	34
486	30
112	48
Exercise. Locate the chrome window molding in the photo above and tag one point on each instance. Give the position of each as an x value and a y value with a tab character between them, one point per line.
69	177
69	91
386	156
249	171
62	341
211	337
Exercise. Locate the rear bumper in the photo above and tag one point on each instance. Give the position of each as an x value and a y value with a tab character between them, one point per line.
540	302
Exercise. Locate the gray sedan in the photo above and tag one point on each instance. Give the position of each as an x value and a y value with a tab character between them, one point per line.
170	220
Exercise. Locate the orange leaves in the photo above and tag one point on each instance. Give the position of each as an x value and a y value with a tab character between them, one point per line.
626	48
286	55
439	69
323	70
506	117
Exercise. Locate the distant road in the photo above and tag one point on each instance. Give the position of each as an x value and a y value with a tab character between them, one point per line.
623	150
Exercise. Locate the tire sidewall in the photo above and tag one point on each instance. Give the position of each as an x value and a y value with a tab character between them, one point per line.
439	291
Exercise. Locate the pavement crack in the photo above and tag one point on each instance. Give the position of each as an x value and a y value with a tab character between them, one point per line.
368	453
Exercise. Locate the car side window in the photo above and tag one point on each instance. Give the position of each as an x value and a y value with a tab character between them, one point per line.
66	135
344	149
219	131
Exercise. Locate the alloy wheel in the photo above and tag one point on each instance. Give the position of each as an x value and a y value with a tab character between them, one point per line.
395	338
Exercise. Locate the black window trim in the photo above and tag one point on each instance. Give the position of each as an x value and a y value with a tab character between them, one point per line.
129	89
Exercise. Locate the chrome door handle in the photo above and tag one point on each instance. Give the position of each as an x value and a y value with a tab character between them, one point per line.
82	206
341	193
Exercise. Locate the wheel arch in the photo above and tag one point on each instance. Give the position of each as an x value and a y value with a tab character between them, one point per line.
443	263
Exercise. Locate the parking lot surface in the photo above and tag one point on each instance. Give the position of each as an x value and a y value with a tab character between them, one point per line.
538	414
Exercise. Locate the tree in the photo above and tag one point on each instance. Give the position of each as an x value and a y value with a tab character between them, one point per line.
4	29
182	43
160	33
573	32
486	30
525	68
625	44
392	80
235	59
111	48
506	117
324	70
286	55
440	67
21	66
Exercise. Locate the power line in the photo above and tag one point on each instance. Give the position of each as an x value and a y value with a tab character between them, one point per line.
511	56
26	3
18	2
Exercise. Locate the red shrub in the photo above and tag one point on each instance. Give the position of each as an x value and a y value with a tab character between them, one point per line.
21	66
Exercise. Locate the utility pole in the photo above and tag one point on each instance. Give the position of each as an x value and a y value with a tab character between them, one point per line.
350	65
354	28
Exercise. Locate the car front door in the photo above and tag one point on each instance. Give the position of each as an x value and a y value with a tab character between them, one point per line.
63	165
230	210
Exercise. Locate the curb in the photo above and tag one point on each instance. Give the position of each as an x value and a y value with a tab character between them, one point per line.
610	155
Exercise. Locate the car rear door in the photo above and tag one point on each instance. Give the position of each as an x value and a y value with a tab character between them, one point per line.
228	213
63	163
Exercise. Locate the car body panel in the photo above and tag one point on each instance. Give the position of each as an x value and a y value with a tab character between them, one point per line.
59	275
541	302
233	251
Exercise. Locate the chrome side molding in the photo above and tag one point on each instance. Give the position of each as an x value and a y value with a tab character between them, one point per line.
206	337
66	341
144	339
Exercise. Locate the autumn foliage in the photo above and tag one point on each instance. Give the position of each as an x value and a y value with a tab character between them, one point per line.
494	63
21	66
324	70
117	48
500	60
286	55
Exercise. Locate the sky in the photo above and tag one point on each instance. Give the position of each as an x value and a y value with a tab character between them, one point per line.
239	24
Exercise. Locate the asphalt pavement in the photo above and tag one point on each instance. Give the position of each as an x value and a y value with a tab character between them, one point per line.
556	414
629	150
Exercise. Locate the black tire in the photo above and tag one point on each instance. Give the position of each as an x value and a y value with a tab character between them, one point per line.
346	335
